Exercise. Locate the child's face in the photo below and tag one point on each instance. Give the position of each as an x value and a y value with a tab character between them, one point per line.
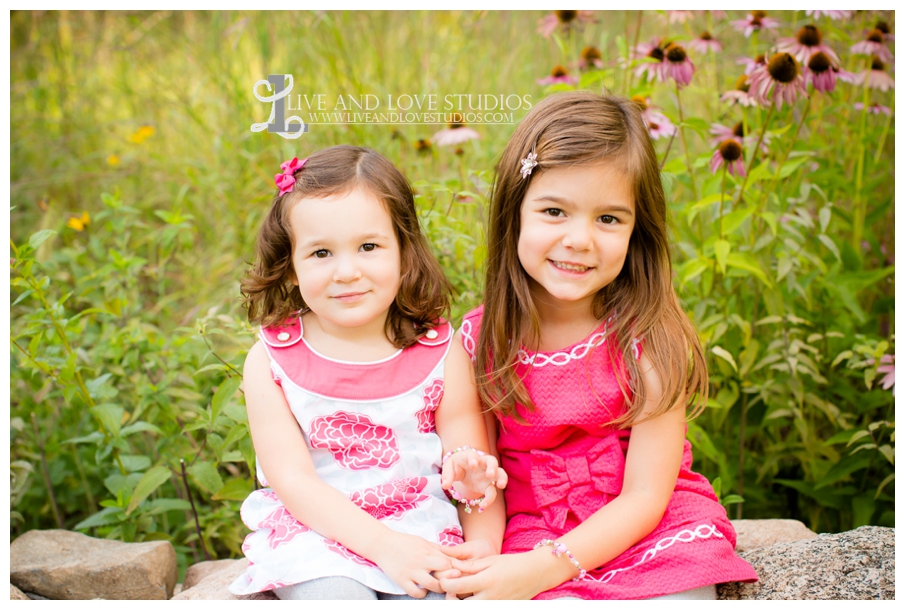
346	259
576	223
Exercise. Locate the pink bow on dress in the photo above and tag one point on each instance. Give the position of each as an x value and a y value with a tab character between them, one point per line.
286	180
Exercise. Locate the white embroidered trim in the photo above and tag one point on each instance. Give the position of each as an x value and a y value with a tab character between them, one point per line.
562	358
702	531
467	339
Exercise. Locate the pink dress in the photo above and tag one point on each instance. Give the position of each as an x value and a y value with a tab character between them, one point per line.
369	427
565	464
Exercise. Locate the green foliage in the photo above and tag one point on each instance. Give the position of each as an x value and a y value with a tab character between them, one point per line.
137	190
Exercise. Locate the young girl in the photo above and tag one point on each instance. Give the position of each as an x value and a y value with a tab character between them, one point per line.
345	394
582	351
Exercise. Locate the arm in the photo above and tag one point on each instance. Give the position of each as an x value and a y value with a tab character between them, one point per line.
460	422
284	457
651	469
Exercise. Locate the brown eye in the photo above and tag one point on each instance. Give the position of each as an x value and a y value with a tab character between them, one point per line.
321	253
608	220
369	247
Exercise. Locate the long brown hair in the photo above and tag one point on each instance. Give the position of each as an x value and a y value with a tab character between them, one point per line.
569	129
424	293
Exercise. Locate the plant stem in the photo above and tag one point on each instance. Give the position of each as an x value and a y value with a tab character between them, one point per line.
188	491
694	189
785	156
882	142
722	196
760	138
46	472
666	154
631	72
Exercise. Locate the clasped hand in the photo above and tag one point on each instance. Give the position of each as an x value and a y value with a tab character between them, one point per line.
474	475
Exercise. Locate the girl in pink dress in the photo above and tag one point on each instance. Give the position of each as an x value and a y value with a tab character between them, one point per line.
591	367
346	395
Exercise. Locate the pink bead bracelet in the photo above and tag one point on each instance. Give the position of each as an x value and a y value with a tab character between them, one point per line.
558	550
455	495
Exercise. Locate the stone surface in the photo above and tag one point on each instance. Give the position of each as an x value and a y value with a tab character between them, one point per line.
858	564
756	533
59	564
198	572
215	584
15	593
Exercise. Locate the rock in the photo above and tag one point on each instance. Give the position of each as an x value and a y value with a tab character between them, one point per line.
756	533
858	564
198	572
215	584
15	593
59	564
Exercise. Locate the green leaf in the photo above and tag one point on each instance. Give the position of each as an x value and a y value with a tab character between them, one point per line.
725	355
235	489
206	476
163	505
39	238
702	443
721	251
862	510
843	468
149	482
94	437
110	416
106	516
133	463
824	216
830	245
140	426
224	393
733	220
746	262
731	499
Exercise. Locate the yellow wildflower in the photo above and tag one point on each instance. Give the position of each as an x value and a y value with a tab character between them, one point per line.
144	132
112	160
79	224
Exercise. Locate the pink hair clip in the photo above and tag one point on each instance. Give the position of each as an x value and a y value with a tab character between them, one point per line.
286	180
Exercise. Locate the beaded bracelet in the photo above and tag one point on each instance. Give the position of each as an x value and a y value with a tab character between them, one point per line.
455	495
559	549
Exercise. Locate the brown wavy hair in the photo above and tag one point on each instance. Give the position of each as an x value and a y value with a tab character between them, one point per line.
424	292
564	130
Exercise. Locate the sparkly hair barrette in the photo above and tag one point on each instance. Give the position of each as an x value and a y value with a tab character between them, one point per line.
528	164
286	180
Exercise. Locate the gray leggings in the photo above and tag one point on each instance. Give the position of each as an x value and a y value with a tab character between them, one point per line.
340	587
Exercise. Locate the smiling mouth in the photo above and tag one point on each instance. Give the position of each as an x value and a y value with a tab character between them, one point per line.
570	267
349	296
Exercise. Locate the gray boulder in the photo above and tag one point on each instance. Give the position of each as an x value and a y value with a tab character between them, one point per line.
756	533
215	584
858	564
59	564
15	593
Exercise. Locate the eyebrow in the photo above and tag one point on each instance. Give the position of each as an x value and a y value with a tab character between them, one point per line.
609	207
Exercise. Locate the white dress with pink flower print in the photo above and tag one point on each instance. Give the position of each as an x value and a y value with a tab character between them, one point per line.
370	430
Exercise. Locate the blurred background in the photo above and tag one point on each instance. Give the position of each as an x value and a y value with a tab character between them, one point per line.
137	188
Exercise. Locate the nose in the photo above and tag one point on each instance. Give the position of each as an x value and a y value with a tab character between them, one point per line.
577	236
346	270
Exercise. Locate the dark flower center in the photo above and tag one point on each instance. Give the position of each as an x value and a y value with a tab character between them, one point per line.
731	150
657	53
559	71
591	53
876	64
739	130
758	14
566	16
809	36
654	127
756	21
676	54
819	62
706	36
783	68
875	35
423	146
882	26
640	102
760	59
742	84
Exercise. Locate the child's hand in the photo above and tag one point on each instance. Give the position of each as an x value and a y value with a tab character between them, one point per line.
473	549
493	577
409	561
477	475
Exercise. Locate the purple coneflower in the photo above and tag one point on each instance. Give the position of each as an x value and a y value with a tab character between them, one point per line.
819	71
755	22
889	379
777	82
739	95
590	57
729	152
877	78
566	20
705	42
874	108
721	133
884	27
834	15
752	64
655	49
558	75
679	16
455	134
678	66
873	45
808	41
658	124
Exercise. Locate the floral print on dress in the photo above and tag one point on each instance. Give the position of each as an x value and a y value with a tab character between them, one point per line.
451	536
284	526
355	441
431	396
339	549
274	584
390	500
